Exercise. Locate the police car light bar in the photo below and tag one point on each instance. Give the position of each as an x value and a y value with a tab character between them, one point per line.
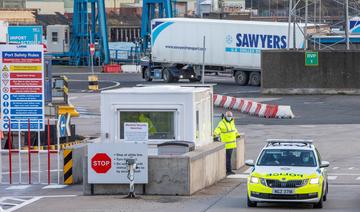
289	141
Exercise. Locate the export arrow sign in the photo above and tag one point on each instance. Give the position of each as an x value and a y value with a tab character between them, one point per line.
101	163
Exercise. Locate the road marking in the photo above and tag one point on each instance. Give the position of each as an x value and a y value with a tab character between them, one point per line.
110	87
248	170
351	168
241	92
23	204
307	126
238	176
307	103
73	97
345	174
332	177
358	178
24	201
54	186
335	168
18	187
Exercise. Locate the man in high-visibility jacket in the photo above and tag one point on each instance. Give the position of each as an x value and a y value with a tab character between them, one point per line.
144	119
228	133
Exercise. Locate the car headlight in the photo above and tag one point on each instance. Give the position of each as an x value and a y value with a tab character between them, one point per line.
314	181
254	180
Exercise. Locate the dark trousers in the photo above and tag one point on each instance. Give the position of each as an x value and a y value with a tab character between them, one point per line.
228	159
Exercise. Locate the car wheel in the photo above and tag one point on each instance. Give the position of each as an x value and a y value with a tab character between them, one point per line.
326	192
241	77
320	203
250	203
147	75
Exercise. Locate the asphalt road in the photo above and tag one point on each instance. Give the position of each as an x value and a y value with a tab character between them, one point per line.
332	121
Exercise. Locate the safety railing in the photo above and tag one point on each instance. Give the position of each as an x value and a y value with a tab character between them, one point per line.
132	56
27	148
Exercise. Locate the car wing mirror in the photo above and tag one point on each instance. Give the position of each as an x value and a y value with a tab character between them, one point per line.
249	163
324	164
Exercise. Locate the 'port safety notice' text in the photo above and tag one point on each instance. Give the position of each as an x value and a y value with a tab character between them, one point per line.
107	162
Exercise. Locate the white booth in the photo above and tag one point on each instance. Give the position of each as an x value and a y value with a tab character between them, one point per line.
173	113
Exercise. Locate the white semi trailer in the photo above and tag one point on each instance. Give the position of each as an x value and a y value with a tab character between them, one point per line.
3	31
231	47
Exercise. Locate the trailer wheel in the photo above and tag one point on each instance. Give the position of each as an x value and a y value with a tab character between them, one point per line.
255	78
147	75
167	76
241	77
196	79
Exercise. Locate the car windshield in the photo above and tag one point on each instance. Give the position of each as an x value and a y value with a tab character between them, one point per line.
287	157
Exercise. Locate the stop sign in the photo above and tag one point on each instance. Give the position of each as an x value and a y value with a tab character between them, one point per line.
101	163
92	49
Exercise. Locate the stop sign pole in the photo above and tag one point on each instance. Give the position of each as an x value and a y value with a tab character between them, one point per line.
92	52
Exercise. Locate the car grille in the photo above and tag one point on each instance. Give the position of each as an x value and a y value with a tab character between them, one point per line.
286	196
285	184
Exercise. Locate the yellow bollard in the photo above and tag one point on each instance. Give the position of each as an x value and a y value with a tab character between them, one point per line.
93	82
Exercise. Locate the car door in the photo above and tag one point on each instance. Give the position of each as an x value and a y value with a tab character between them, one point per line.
322	170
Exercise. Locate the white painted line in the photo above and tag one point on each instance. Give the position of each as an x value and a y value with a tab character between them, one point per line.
332	177
59	196
248	170
18	187
351	168
16	199
110	87
54	186
28	200
24	204
238	176
8	203
307	126
358	178
334	168
73	97
345	174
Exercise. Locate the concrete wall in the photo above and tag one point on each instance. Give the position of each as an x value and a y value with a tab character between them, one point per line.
172	175
238	156
284	72
162	173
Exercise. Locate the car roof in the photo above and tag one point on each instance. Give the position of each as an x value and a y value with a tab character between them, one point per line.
299	144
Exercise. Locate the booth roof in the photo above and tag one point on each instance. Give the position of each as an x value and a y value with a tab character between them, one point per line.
157	89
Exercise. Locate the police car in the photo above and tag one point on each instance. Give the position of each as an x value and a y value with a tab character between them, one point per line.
288	170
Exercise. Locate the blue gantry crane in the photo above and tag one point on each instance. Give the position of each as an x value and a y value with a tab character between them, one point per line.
153	9
88	29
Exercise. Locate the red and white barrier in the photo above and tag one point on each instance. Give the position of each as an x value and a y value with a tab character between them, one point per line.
253	108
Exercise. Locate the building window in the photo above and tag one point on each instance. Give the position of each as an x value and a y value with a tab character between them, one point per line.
66	37
160	124
54	37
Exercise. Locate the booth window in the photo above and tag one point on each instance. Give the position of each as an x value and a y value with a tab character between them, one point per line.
160	124
54	36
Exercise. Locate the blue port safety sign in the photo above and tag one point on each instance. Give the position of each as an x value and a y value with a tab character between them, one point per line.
22	87
25	34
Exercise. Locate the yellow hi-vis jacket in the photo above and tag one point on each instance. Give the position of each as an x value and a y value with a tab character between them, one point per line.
227	132
151	127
